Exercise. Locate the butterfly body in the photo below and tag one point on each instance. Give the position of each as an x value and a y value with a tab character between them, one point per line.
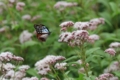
42	32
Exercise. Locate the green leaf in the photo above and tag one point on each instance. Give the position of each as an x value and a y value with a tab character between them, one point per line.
32	72
117	73
90	51
71	58
81	77
113	6
28	43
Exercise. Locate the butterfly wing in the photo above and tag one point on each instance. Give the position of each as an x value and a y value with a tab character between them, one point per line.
42	32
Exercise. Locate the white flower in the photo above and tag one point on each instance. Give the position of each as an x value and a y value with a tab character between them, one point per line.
3	29
81	25
63	4
6	56
26	17
114	45
60	66
32	78
42	67
8	66
11	1
19	75
25	36
10	74
24	68
113	67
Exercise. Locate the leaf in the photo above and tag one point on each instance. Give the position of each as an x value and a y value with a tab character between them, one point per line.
71	58
117	73
90	51
32	72
81	77
28	43
113	6
8	49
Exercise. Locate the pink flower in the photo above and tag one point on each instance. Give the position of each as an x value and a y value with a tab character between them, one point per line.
67	24
20	6
80	34
95	22
110	51
44	78
60	66
61	5
81	25
65	37
93	38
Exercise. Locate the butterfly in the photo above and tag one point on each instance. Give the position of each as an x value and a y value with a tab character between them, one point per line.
42	32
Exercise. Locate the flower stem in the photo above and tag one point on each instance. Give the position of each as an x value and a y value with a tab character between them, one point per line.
83	56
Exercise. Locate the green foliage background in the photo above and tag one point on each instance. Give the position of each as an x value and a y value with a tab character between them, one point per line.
35	50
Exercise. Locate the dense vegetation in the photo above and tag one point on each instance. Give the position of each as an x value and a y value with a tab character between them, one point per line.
16	18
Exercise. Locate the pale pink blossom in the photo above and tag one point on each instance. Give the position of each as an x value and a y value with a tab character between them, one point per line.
18	58
114	44
3	29
42	67
95	22
65	37
32	78
81	70
20	6
44	78
25	36
81	25
63	4
23	68
67	24
35	17
61	66
92	38
11	1
26	17
105	76
19	75
110	51
8	66
6	56
9	74
113	67
80	34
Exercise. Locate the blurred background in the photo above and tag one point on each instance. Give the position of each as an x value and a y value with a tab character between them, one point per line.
16	19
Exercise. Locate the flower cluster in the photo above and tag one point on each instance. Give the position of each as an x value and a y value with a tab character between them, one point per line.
61	5
81	35
112	48
10	71
28	17
25	36
43	66
113	67
8	56
107	76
